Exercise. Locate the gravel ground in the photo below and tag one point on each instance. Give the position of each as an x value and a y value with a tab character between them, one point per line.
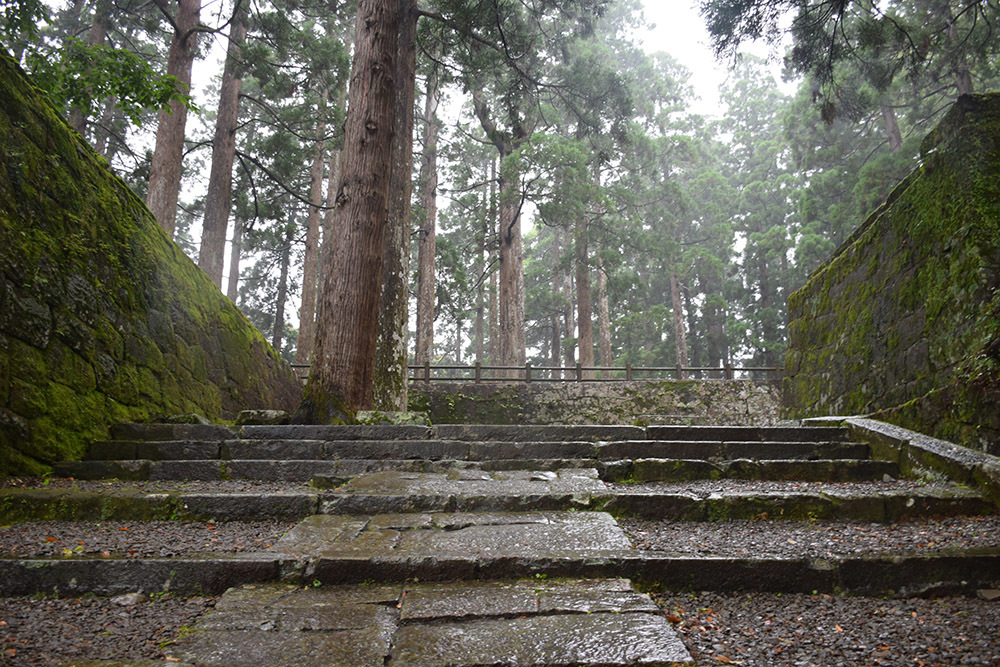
136	539
703	488
815	539
50	631
769	629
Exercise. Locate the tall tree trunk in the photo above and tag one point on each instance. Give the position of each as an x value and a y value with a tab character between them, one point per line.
963	77
604	317
680	339
236	250
333	181
694	340
426	239
569	350
584	310
102	131
555	345
891	128
494	272
278	332
218	199
480	333
165	169
391	353
98	33
340	379
310	263
512	342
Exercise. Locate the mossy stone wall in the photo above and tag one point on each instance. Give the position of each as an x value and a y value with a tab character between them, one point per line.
904	320
103	318
728	402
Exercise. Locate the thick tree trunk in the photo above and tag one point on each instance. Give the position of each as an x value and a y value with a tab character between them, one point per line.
494	272
891	128
680	339
278	331
332	183
340	379
218	199
480	332
310	260
165	168
604	318
236	249
391	353
584	309
512	343
426	239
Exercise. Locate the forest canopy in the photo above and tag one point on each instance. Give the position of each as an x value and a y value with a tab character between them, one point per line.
563	201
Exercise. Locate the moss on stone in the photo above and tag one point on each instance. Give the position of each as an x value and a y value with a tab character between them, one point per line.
898	311
102	317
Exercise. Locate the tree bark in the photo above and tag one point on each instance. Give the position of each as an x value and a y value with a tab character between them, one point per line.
480	332
278	331
891	128
694	340
680	339
494	254
165	168
218	199
584	310
341	375
555	345
332	183
604	318
426	239
234	260
310	261
511	293
391	348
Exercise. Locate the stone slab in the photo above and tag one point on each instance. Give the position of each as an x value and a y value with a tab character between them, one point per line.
430	450
746	433
561	639
272	449
465	490
170	432
366	647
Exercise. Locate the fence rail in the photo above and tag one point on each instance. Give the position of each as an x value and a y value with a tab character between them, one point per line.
483	373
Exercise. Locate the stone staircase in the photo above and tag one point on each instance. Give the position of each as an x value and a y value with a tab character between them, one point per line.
480	544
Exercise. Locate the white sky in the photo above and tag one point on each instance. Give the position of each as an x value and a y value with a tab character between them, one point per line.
678	29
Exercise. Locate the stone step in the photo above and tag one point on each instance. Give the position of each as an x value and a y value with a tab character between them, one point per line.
468	547
534	622
476	432
463	450
392	491
332	473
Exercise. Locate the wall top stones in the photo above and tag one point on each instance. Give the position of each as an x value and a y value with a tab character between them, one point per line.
102	317
904	319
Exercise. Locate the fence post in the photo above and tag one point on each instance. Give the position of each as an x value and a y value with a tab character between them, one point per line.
427	372
479	372
628	372
579	372
729	370
527	372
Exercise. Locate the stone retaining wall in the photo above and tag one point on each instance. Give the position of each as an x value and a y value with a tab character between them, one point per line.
904	320
725	402
103	318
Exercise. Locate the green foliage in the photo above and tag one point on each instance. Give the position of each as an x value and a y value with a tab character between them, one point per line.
80	76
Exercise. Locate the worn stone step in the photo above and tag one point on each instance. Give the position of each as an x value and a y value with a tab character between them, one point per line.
813	470
500	545
730	450
566	622
747	433
437	450
469	489
539	433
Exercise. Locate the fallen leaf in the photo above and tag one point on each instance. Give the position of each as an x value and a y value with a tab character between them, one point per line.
170	659
838	628
674	619
50	539
122	527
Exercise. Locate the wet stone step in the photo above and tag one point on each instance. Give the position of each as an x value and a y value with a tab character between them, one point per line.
594	622
679	470
747	433
721	450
